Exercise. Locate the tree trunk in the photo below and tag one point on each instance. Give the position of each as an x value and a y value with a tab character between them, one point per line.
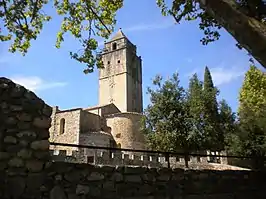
248	31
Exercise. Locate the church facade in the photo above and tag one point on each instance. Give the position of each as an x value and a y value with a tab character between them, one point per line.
115	122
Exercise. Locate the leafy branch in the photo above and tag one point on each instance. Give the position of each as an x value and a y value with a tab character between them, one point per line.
24	19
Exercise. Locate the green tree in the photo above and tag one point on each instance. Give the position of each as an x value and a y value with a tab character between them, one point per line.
23	20
195	102
166	117
252	114
253	90
249	31
187	120
210	113
228	124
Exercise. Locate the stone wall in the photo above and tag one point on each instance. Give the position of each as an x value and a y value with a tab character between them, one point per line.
117	158
101	139
134	81
89	122
24	146
109	109
116	82
78	181
27	172
71	128
126	130
112	79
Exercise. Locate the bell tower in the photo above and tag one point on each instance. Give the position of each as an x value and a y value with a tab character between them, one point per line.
120	81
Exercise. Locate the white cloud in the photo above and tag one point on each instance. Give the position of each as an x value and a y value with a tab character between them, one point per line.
144	27
224	76
35	83
220	75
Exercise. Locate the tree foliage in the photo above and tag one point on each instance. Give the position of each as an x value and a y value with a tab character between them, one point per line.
23	20
184	120
212	15
193	119
251	137
190	10
228	126
253	91
210	112
195	101
166	116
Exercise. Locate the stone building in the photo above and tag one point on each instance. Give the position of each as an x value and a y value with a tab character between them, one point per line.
115	122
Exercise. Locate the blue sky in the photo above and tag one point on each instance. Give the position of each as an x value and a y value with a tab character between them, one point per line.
165	48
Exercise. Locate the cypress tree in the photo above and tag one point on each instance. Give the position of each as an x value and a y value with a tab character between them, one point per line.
212	123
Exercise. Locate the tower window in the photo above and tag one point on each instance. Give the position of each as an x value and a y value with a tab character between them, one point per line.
62	126
114	46
108	62
118	61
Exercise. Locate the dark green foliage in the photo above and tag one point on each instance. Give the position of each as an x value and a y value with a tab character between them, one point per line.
228	124
252	129
183	120
166	116
210	113
195	101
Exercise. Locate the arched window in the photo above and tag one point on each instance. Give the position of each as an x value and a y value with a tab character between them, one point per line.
114	46
62	126
119	145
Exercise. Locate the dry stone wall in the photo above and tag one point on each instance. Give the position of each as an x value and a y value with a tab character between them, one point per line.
24	146
78	181
27	171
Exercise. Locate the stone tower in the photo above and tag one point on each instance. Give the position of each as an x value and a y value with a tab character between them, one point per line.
120	82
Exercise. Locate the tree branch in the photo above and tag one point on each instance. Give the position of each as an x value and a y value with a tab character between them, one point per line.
34	12
95	14
248	31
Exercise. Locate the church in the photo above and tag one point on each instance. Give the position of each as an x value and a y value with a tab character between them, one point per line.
115	121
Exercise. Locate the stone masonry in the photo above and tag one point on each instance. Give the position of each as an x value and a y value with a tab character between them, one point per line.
27	170
24	146
115	122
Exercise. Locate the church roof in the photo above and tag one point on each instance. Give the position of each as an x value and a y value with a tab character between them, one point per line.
118	35
98	106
